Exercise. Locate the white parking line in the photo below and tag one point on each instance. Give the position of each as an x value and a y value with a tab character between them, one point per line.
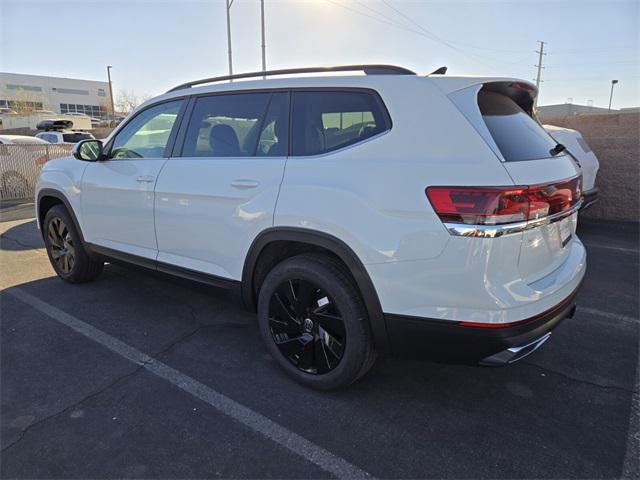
255	421
612	316
631	464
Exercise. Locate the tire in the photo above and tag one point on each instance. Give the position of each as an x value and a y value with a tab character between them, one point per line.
66	252
299	307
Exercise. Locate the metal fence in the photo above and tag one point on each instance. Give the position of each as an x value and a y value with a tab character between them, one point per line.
20	165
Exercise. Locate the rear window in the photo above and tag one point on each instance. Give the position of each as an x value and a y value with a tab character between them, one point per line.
326	121
517	135
75	137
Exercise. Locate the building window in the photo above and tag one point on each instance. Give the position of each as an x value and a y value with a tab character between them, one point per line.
90	110
101	92
71	91
26	88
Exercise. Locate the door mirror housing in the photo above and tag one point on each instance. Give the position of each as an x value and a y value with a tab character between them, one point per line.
88	150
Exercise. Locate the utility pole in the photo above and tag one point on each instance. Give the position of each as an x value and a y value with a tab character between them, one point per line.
613	82
113	110
229	3
540	67
264	47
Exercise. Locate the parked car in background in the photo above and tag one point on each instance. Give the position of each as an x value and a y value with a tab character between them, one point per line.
385	213
579	148
59	131
20	158
20	140
64	136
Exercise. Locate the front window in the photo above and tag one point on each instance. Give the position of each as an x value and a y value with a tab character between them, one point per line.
147	134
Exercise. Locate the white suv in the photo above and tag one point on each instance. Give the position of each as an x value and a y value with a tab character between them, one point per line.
359	215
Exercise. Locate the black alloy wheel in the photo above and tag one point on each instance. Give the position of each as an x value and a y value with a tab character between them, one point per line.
67	254
307	326
63	251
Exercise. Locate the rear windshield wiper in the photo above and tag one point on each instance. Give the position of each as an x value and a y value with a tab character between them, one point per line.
559	148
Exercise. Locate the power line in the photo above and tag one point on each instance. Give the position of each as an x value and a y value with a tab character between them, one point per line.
425	33
431	34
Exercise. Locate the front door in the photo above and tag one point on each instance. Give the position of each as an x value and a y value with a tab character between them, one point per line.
118	193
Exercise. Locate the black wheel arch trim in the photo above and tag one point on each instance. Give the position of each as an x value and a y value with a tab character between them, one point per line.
335	246
50	192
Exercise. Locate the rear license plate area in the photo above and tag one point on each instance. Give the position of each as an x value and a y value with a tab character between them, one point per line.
566	231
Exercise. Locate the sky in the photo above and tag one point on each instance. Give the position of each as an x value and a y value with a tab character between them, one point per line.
156	44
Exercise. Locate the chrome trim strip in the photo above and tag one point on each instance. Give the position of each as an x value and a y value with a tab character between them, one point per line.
494	231
513	354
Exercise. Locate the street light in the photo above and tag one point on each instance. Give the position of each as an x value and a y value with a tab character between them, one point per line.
613	82
113	110
229	3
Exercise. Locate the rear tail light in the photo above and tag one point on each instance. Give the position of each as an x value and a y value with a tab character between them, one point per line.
503	205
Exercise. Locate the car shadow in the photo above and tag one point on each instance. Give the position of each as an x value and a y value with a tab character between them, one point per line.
21	237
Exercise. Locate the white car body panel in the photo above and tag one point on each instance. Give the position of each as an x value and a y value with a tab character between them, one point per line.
117	205
209	210
64	175
389	218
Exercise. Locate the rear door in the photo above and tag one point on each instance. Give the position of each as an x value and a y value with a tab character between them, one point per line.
220	189
528	155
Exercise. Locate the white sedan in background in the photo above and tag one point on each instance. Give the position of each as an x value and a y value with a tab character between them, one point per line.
578	147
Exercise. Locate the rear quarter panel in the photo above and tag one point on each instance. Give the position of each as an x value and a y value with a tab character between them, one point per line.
372	195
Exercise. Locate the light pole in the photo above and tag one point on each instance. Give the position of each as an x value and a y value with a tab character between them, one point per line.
229	3
113	110
613	82
264	47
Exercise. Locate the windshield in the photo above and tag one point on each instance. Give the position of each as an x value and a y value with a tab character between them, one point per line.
518	136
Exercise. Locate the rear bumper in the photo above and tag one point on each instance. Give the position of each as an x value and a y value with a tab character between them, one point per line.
460	342
590	197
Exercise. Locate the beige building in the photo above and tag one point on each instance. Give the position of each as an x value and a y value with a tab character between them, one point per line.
60	95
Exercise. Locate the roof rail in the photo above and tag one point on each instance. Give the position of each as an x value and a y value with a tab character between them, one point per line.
367	69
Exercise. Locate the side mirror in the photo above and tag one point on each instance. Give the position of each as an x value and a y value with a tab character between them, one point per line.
88	150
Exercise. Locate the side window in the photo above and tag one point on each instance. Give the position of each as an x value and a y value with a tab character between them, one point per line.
227	125
147	134
326	121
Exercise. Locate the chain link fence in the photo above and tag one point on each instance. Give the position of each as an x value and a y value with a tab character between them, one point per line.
20	165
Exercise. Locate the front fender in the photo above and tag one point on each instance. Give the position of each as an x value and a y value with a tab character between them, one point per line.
62	179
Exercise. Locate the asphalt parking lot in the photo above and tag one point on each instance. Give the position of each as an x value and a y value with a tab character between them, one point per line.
139	375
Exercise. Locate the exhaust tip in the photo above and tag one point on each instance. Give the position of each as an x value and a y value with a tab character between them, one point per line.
513	354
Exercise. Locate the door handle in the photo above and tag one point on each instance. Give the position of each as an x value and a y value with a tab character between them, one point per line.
244	184
145	179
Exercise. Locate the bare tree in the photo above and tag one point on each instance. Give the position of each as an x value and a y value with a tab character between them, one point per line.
127	100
